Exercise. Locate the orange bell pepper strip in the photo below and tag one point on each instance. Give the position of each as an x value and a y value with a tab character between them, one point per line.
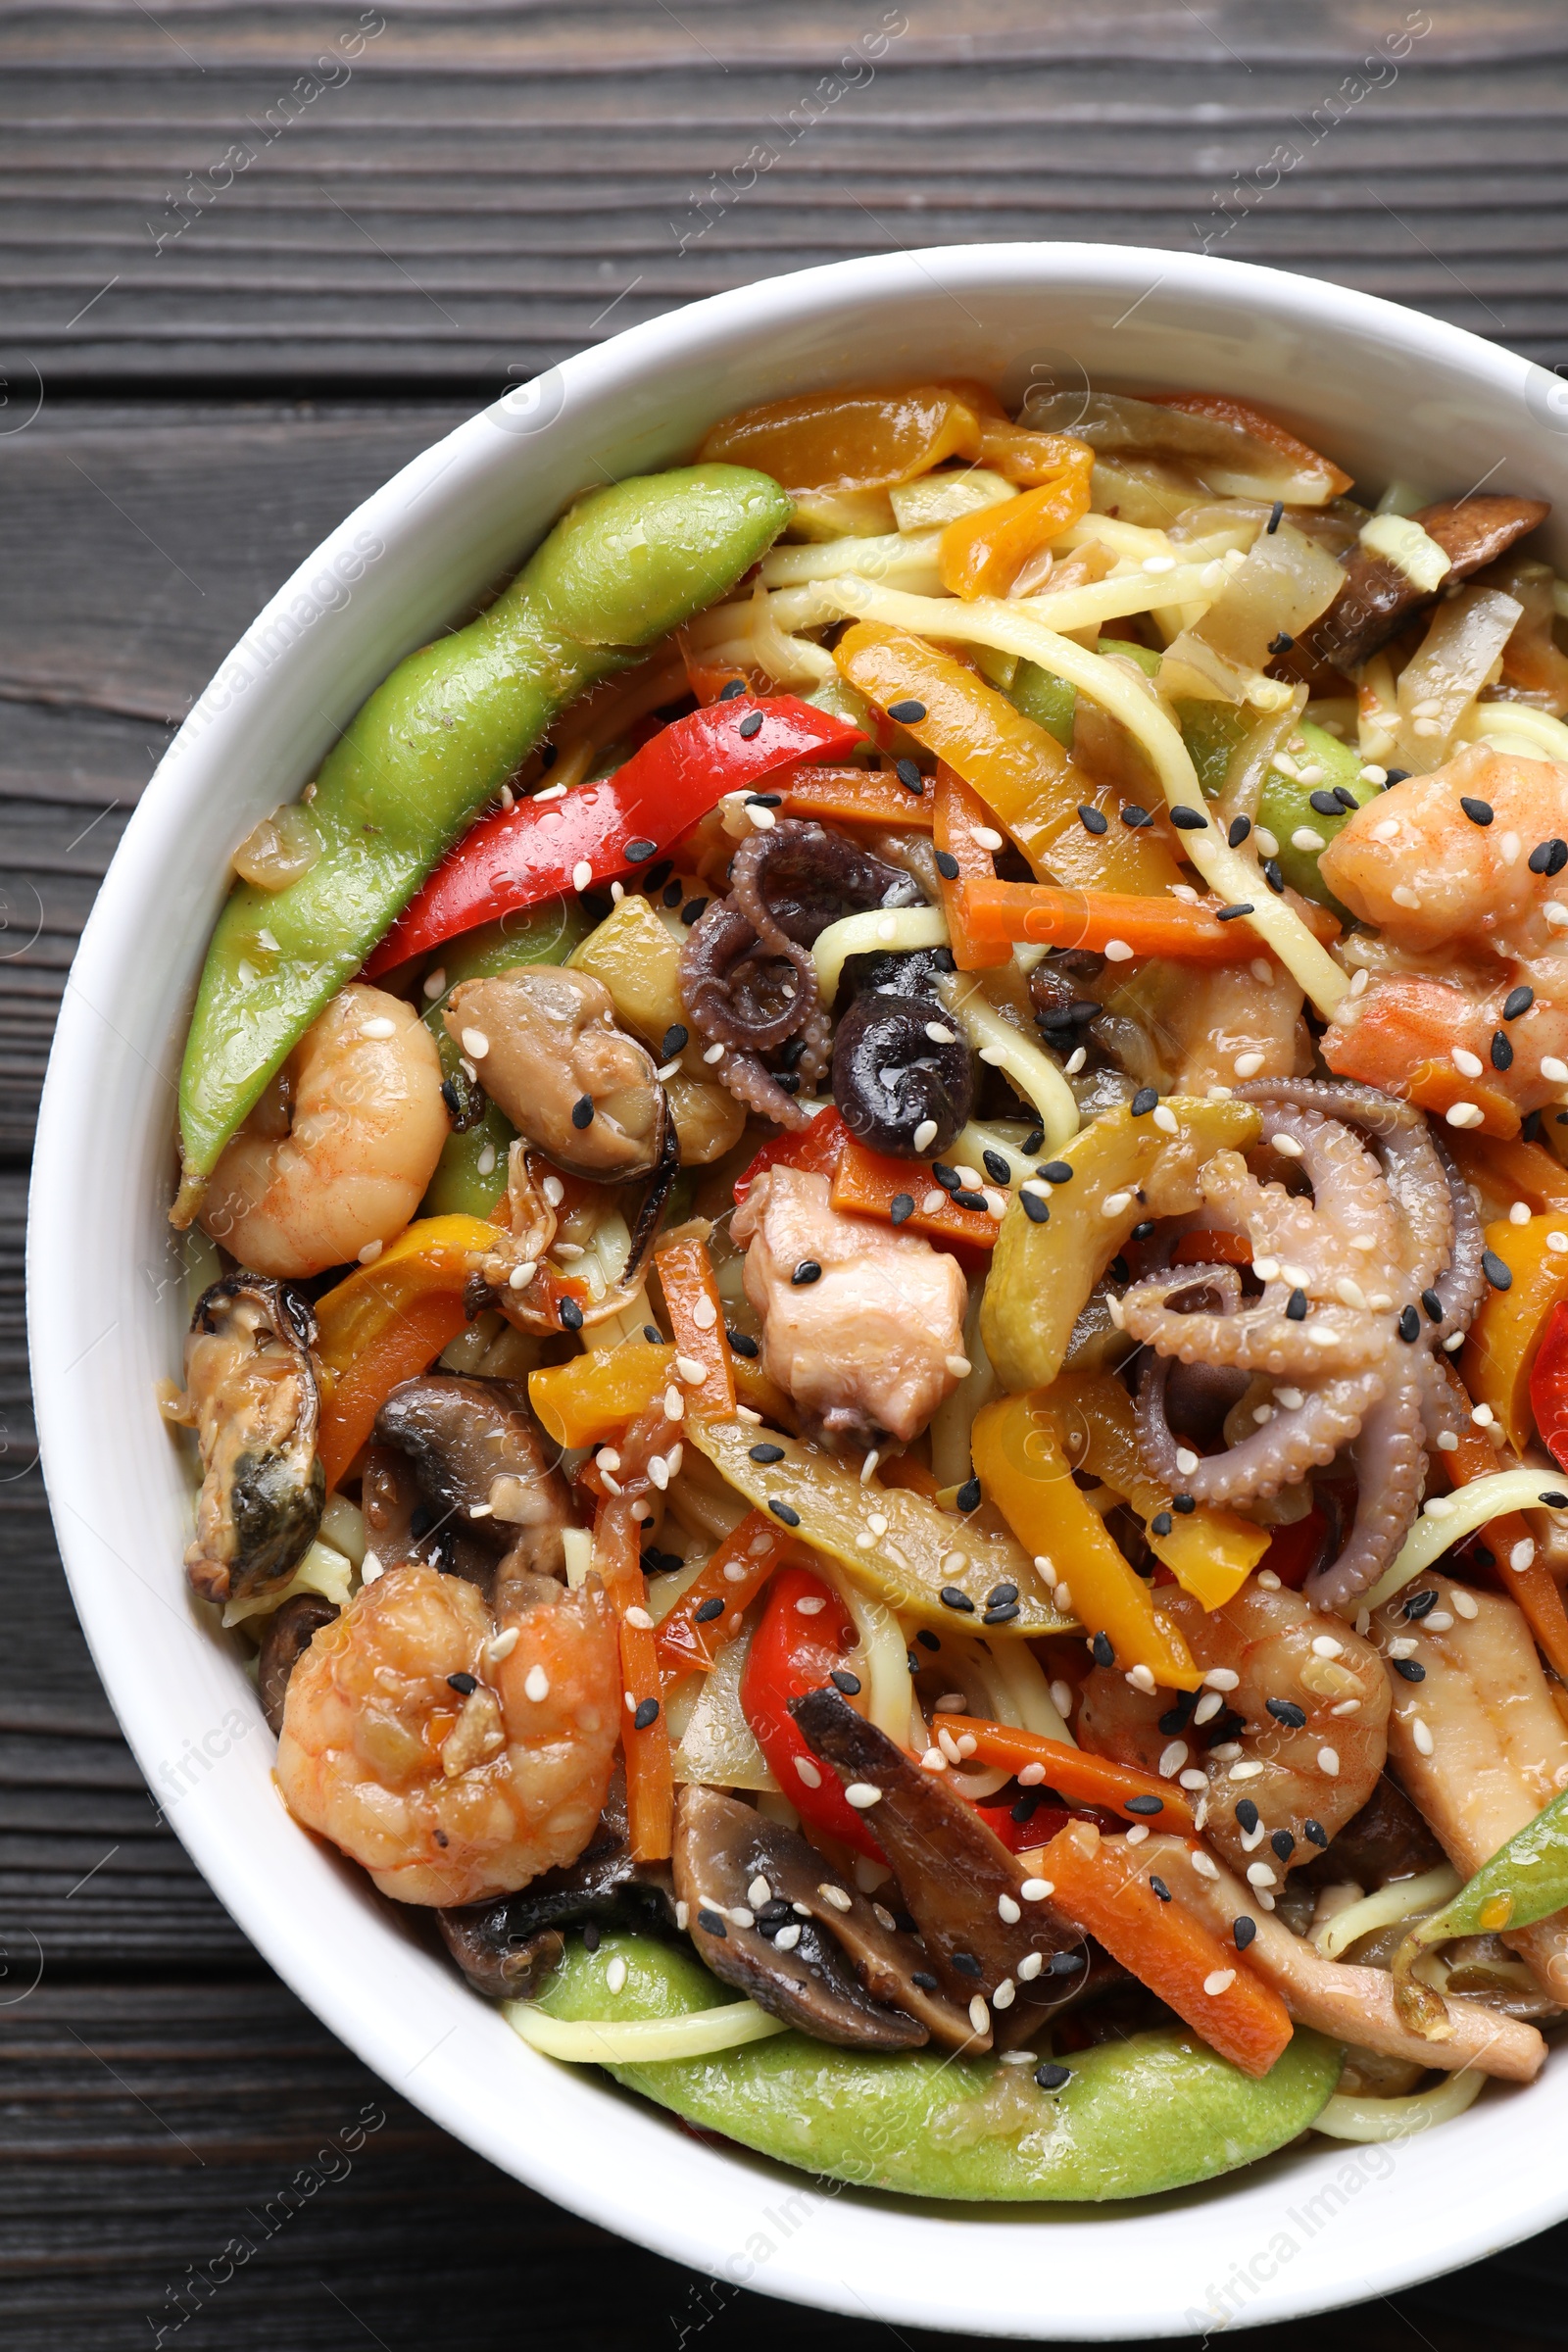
1499	1350
983	553
1033	460
865	439
1023	1468
591	1398
1099	1884
1533	1587
1073	1773
1512	1170
618	1557
696	1316
960	857
689	1638
387	1322
855	796
1020	772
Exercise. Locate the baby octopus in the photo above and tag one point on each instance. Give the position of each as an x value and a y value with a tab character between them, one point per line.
1361	1283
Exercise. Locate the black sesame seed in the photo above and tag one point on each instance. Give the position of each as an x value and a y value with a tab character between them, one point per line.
1143	1804
1554	1501
944	959
1157	1886
1284	1843
765	800
908	712
1242	1932
1184	1504
1286	1711
1032	1142
1324	803
1411	1668
1241	826
1421	1603
788	1081
1478	811
1401	775
1133	817
1282	643
1027	1806
1052	2077
1274	514
806	1271
1409	1326
1314	1833
966	1964
571	1316
1145	1101
783	1511
1246	1815
548	755
1160	1524
924	1979
1090	818
1001	1594
1496	1272
1296	1307
953	1596
741	1341
1347	799
671	894
736	686
1231	914
693	911
1064	1964
710	1609
967	1499
750	725
1482	1557
962	1200
646	1716
767	1453
1034	1208
999	1170
946	1177
1189	820
582	1111
914	1663
590	1936
927	1639
659	1563
1056	1172
842	1680
947	866
1142	1231
1004	1614
1548	856
675	1041
900	1207
1104	1655
639	852
1502	1050
1517	1000
710	1922
1433	1304
466	1682
1273	876
908	777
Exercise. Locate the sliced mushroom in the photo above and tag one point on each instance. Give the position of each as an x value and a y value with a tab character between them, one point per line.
1378	598
1387	1839
769	1915
983	1935
484	1463
250	1395
400	1524
290	1631
507	1948
550	1053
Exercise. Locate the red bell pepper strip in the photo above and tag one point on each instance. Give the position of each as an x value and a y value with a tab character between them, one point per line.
814	1148
538	849
795	1649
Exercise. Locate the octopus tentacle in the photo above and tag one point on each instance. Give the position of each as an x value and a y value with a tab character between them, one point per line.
1278	1455
1262	1338
1462	1283
1391	1468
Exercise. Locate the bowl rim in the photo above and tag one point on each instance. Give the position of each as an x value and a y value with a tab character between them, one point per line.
672	2220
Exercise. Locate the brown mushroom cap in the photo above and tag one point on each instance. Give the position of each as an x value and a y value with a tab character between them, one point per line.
811	1950
958	1881
290	1631
566	1076
1378	598
483	1462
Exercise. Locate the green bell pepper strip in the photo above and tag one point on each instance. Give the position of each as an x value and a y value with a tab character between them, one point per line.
543	934
435	740
1157	2111
1525	1880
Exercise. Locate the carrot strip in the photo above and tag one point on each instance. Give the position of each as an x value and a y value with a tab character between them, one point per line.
1535	1588
686	1641
697	1324
867	1183
997	913
855	796
405	1347
618	1557
1073	1773
1097	1881
962	864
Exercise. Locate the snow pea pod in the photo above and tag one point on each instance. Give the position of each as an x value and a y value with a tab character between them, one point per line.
435	740
1525	1880
1129	2119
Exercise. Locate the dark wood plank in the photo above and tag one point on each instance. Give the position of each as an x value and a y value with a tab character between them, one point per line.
193	196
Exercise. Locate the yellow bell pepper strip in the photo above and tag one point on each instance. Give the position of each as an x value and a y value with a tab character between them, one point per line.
1533	1587
1022	1465
983	553
1210	1552
1019	769
1099	1884
695	1314
922	1554
857	796
1083	1779
993	914
1499	1350
590	1400
862	439
1042	1274
644	1731
385	1323
1512	1170
958	816
690	1638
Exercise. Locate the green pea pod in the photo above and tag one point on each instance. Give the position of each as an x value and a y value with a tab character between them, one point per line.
471	1172
1154	2112
436	739
1525	1879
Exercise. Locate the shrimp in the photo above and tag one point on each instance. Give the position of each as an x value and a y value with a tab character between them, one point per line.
337	1154
455	1757
1239	1020
1313	1697
1465	922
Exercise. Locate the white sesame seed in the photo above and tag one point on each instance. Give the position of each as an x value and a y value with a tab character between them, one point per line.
714	1054
931	1202
536	1685
979	2015
1171	1759
1038	1890
640	1618
1325	1646
1521	1554
553	1191
1006	1994
1029	1967
1137	1834
615	1974
1205	1865
1116	950
1248	1065
1328	1762
959	1366
1421	1734
1062	1597
1386	829
1509	846
1464	1114
1218	1981
1140	1677
1207	1707
1557	1243
1555	912
1447	1443
1554	1070
1186	1460
765	821
1258	1874
1438	1506
705	1314
1247	1770
1350	1291
934	1760
862	1795
925	1135
500	1647
1080	1054
379	1028
1304	838
1115	1203
475	1044
1284	1145
987	836
1009	1910
1438	1621
1468	1065
1466	1603
1192	1778
434	984
1165	1119
834	1896
940	1035
1267	845
812	1775
370	1252
1404	896
811	1604
788	1938
582	874
369	1569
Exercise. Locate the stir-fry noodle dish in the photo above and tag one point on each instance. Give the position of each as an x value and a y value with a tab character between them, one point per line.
877	1184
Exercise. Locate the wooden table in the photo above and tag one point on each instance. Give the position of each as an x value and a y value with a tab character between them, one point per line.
254	259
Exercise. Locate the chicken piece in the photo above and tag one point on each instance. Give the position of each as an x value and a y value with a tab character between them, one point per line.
1239	1013
865	1343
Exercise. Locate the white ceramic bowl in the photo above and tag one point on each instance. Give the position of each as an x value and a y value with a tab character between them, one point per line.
1386	393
